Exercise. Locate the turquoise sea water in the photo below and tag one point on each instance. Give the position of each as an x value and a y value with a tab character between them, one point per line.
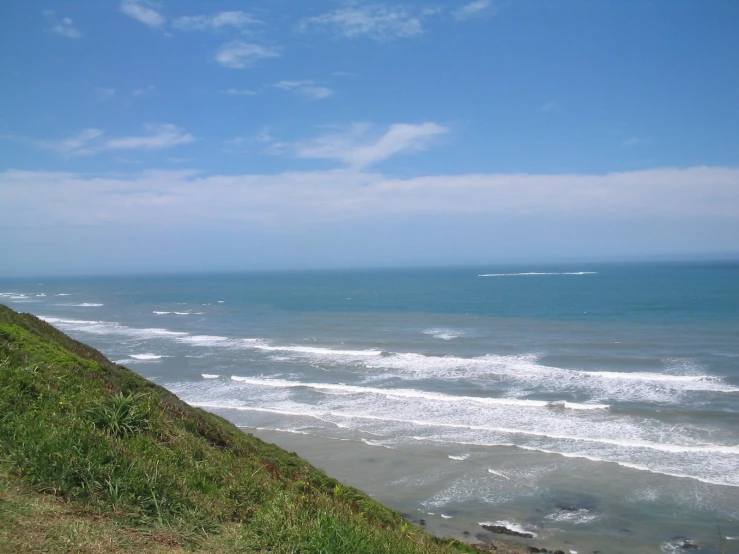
596	406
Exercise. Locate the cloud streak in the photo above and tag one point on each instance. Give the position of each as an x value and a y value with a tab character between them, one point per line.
476	9
236	19
307	88
377	22
89	141
160	136
357	149
240	55
62	27
143	12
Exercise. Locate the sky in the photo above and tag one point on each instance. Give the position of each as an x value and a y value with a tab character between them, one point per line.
143	136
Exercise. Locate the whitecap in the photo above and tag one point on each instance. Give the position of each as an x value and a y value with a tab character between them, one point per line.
534	274
381	444
146	357
444	334
513	526
499	474
413	393
108	328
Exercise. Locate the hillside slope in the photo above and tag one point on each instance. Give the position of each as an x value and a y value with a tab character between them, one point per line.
95	458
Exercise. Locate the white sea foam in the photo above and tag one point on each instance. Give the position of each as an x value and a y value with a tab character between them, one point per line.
576	517
534	273
646	376
641	467
671	448
522	371
85	305
622	440
675	547
509	525
210	376
108	328
644	494
444	334
444	516
381	444
412	393
499	474
20	296
146	357
206	340
460	458
161	313
525	371
314	350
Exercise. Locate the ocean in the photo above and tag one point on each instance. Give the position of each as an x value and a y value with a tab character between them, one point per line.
593	406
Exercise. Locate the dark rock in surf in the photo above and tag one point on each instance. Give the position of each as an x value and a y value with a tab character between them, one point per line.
503	530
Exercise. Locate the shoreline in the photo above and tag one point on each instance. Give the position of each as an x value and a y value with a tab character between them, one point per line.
353	469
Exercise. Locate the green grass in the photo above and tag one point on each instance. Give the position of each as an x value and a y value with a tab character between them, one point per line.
90	449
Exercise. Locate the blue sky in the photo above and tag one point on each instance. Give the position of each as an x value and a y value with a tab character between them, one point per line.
140	136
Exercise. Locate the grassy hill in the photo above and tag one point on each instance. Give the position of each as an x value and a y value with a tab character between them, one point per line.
95	458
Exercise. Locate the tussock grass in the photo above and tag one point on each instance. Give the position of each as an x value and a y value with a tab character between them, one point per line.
124	465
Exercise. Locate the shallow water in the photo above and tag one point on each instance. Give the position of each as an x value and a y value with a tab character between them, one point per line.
597	407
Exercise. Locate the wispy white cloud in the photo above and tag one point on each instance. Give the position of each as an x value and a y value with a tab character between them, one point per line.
159	136
142	91
550	106
77	145
143	11
63	26
89	141
239	55
250	144
316	92
241	92
104	94
127	161
636	141
378	22
306	88
358	150
213	22
478	8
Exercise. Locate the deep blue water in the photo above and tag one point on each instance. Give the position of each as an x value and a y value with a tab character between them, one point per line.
501	393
